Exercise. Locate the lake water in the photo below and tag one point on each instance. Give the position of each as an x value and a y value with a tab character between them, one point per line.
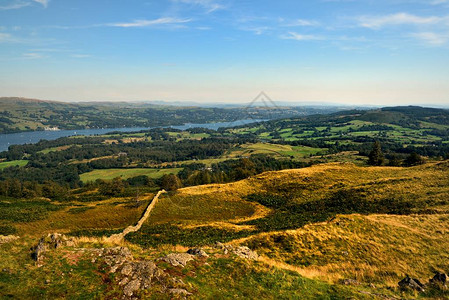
32	137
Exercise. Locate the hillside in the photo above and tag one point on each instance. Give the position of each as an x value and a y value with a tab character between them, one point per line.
336	230
399	129
20	114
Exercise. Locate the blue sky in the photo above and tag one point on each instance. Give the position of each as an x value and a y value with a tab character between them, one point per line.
341	51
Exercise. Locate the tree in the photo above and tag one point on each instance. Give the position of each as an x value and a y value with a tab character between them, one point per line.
414	159
394	161
171	182
112	188
376	157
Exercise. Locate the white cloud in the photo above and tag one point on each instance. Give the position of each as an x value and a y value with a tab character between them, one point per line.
431	38
149	23
80	55
33	55
209	5
15	5
376	22
43	2
437	2
299	22
302	37
4	36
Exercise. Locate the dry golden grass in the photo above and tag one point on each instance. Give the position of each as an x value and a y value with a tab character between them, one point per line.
376	248
108	214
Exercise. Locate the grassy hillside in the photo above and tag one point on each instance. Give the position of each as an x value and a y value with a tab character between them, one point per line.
314	229
20	114
400	130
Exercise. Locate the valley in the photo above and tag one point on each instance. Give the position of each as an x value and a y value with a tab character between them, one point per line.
301	193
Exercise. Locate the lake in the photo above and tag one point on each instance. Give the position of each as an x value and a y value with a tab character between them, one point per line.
32	137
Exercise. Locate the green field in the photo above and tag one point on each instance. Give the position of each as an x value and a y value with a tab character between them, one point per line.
109	174
13	163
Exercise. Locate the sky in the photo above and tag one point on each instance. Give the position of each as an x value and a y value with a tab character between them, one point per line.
376	52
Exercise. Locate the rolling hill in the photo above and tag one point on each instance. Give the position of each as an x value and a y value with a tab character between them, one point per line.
331	229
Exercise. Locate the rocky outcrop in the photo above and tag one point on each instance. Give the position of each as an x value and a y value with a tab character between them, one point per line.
439	278
49	242
198	252
246	253
134	277
409	283
240	251
178	259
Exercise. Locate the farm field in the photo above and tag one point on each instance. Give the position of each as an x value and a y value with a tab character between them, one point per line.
18	163
109	174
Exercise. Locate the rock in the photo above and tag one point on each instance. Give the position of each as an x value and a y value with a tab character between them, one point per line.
349	282
178	259
411	283
179	292
127	270
50	241
123	281
198	252
439	278
38	252
132	287
219	245
245	252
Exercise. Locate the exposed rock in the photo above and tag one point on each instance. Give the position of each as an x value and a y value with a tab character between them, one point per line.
438	279
198	252
132	276
132	287
115	256
178	259
349	282
127	270
245	252
48	242
411	283
219	245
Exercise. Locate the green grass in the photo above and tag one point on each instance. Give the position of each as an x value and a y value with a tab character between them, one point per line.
166	234
13	163
109	174
57	279
235	279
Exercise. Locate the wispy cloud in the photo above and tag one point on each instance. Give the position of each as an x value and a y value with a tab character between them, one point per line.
43	2
377	22
432	38
15	5
149	23
298	23
80	55
4	36
33	55
302	37
209	5
438	2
